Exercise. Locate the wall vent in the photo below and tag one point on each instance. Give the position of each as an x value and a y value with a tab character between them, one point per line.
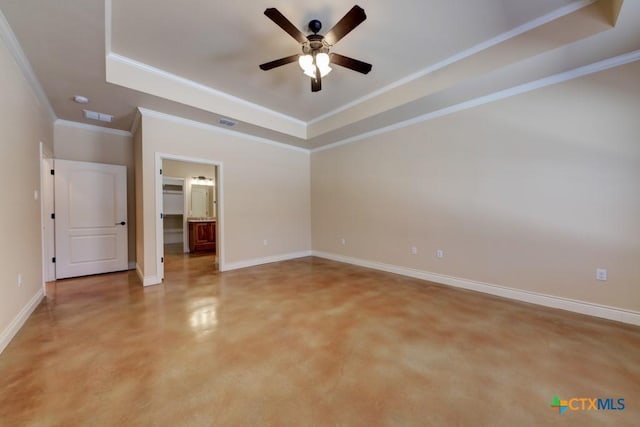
97	116
227	122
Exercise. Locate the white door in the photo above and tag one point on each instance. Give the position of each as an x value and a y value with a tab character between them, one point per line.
91	218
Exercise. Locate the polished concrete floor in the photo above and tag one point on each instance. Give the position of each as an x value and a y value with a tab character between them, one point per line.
307	342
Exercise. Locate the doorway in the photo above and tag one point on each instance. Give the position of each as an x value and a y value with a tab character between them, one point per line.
189	205
84	222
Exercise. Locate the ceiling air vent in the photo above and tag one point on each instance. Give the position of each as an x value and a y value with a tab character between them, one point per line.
227	122
97	116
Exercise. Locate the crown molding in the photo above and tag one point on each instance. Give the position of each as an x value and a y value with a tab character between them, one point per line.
120	59
199	86
496	96
92	128
188	122
501	38
110	55
126	66
119	65
7	34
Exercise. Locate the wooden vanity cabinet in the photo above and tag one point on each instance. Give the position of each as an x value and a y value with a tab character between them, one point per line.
202	236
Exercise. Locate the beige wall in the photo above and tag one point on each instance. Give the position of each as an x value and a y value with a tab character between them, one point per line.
533	192
23	124
179	169
264	190
97	146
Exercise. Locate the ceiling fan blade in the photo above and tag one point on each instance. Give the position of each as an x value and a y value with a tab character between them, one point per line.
350	63
316	83
279	62
277	17
352	19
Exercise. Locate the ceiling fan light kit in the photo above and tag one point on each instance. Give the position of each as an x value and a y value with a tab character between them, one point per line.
315	59
309	62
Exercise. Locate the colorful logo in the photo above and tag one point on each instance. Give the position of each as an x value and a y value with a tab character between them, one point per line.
562	405
588	404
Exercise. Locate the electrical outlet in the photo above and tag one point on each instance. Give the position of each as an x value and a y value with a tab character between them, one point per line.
439	253
265	242
343	241
414	250
601	274
19	279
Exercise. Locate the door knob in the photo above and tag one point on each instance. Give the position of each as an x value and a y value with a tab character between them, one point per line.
121	223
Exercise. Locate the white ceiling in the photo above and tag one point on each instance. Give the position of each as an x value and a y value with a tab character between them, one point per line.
199	59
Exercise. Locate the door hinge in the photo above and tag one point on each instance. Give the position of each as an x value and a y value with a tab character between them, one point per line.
53	172
160	171
162	259
161	216
53	216
53	259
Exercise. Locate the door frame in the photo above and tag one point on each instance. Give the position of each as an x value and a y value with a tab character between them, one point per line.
46	222
219	201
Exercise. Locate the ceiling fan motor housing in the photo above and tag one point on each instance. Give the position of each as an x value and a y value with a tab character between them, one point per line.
315	26
315	44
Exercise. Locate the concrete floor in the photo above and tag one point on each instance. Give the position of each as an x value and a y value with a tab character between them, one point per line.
307	342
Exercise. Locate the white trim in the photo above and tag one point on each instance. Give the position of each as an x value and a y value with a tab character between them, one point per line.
220	222
93	128
582	307
209	127
159	222
496	96
132	265
46	232
266	260
48	224
43	237
200	87
151	281
147	280
137	120
10	331
566	10
7	34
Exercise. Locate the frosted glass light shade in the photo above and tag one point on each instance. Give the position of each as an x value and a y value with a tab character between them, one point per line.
305	61
309	68
322	60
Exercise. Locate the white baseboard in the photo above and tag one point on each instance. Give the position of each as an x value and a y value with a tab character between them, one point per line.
132	265
151	280
266	260
582	307
147	280
7	335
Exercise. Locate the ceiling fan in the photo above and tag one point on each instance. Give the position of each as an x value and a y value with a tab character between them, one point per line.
316	58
